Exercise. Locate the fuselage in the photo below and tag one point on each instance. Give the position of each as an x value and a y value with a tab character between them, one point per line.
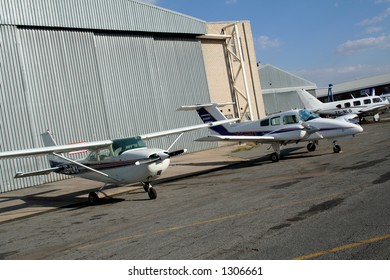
131	166
297	125
360	106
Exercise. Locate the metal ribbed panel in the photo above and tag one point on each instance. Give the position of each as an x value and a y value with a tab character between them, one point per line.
125	15
86	86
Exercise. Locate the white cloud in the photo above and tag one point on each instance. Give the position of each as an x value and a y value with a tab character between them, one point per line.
352	46
373	29
376	19
231	2
323	76
266	42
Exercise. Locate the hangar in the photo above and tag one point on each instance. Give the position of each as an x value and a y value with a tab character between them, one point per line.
280	87
379	84
102	69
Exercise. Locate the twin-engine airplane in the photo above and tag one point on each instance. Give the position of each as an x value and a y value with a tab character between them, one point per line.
279	129
117	162
362	106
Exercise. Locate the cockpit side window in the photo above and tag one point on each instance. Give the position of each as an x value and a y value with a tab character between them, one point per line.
376	100
264	122
290	119
275	121
99	155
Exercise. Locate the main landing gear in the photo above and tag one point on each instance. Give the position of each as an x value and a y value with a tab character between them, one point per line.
336	148
93	197
275	156
150	190
311	147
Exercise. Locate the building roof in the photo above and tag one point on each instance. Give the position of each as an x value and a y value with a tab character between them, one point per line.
364	83
273	79
120	15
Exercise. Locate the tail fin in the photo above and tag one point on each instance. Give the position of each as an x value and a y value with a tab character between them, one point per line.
309	101
49	141
210	113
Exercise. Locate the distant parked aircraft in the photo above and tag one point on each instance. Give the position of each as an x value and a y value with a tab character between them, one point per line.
279	129
362	106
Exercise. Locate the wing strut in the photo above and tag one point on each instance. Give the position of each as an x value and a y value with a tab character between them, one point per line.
174	142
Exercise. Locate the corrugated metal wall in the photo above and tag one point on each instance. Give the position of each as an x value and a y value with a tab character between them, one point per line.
87	86
98	14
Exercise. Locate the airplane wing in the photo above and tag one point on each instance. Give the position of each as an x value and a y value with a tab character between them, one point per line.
100	144
234	138
376	109
184	129
55	149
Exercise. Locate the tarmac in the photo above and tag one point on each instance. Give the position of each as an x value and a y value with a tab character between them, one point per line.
74	191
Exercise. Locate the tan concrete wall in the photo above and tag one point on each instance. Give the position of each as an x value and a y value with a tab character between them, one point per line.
217	70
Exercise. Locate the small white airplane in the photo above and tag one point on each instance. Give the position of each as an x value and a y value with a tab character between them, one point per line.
117	162
279	129
362	106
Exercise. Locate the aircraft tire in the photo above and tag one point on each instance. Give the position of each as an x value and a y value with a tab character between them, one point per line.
336	149
311	147
274	157
93	198
152	193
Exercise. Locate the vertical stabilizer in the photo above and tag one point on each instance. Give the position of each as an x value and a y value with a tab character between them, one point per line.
49	141
210	113
309	101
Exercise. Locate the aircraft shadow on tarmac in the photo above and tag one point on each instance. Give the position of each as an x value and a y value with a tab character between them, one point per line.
43	199
74	201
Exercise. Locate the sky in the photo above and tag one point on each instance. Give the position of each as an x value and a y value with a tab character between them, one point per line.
323	41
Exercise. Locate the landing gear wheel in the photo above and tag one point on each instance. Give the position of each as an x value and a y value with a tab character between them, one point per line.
93	198
275	157
311	147
152	193
336	149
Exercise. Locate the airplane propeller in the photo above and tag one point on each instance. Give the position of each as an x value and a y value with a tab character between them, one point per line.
160	156
310	129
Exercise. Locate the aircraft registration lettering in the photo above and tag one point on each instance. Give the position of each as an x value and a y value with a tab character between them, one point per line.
71	169
343	112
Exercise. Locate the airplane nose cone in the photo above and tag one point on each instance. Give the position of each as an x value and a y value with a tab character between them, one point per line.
358	128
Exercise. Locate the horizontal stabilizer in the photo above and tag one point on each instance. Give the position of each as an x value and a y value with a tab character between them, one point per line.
198	106
185	129
36	173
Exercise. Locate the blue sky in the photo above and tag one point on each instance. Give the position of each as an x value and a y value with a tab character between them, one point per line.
323	41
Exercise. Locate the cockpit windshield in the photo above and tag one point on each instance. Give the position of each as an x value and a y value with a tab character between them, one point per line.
124	144
307	115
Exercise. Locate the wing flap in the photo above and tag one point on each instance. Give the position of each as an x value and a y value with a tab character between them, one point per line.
233	138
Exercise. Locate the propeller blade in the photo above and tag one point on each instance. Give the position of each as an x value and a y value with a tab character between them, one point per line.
310	129
176	153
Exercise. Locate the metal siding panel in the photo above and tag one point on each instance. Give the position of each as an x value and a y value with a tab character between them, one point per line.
86	87
98	14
